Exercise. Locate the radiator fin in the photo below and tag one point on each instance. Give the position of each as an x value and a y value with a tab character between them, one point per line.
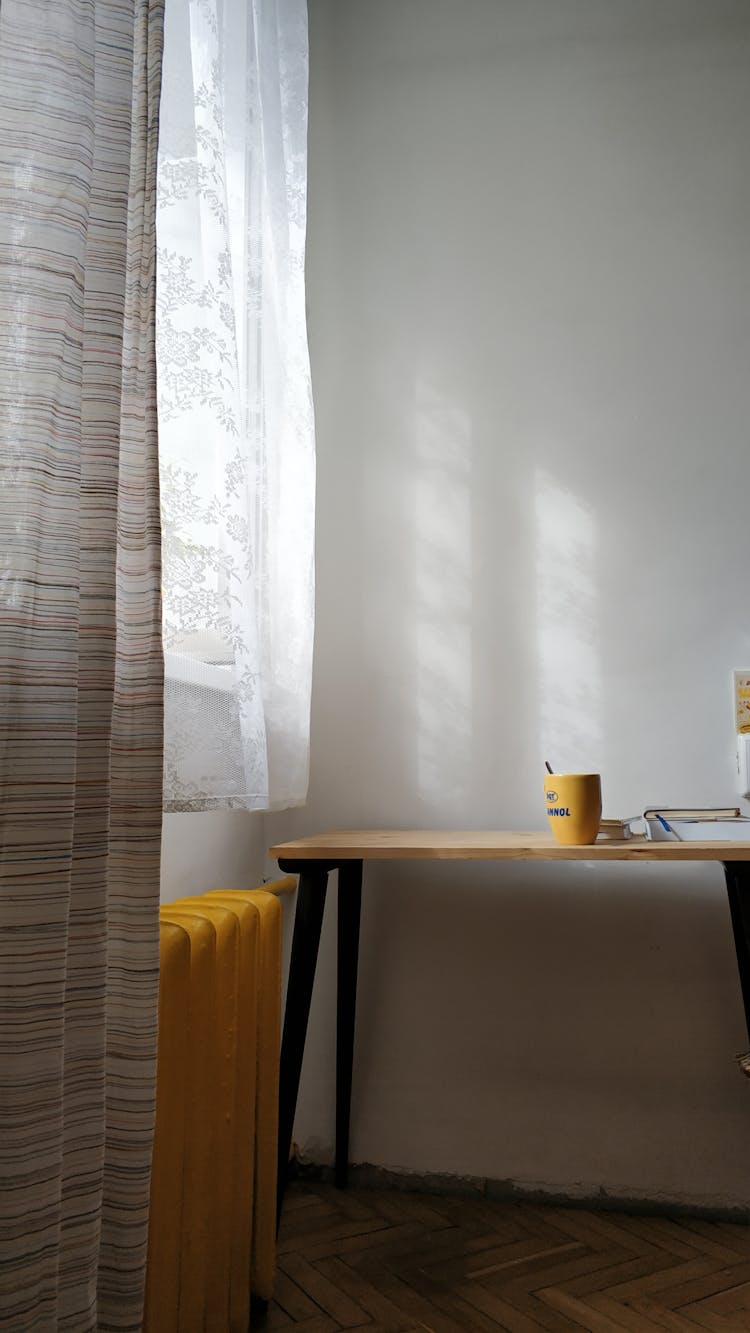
263	1252
213	1192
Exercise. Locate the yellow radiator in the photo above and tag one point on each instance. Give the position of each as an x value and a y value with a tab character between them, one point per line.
213	1189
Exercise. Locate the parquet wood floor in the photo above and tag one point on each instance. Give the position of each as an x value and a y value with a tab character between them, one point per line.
392	1262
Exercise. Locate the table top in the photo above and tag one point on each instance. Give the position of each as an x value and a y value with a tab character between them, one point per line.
470	845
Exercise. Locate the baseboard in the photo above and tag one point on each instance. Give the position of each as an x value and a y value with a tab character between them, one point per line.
363	1175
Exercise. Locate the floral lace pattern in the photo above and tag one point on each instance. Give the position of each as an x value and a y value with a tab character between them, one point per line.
235	405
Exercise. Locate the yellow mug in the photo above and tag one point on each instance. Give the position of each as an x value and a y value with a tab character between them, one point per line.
574	806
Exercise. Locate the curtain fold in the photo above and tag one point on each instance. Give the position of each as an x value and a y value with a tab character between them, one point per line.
81	673
235	404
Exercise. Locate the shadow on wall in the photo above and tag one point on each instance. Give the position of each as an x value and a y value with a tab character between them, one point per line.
443	642
566	659
569	666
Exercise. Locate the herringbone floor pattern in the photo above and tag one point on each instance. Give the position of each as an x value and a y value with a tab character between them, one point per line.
384	1262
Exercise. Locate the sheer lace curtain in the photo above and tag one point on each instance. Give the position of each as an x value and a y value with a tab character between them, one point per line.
235	406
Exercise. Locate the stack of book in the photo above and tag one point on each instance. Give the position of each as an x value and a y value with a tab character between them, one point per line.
715	823
688	823
710	812
619	829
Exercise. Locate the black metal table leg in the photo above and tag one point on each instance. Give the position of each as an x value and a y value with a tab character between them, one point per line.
349	908
311	897
738	888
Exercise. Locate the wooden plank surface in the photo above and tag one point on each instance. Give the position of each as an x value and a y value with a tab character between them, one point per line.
386	1262
470	845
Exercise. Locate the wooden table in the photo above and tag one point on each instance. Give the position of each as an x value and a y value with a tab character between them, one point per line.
315	857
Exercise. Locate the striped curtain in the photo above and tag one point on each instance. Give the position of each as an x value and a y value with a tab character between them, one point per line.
80	658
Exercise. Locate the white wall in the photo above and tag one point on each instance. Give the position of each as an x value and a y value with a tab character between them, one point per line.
222	849
529	308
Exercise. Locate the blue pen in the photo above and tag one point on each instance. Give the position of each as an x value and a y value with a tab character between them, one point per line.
669	828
